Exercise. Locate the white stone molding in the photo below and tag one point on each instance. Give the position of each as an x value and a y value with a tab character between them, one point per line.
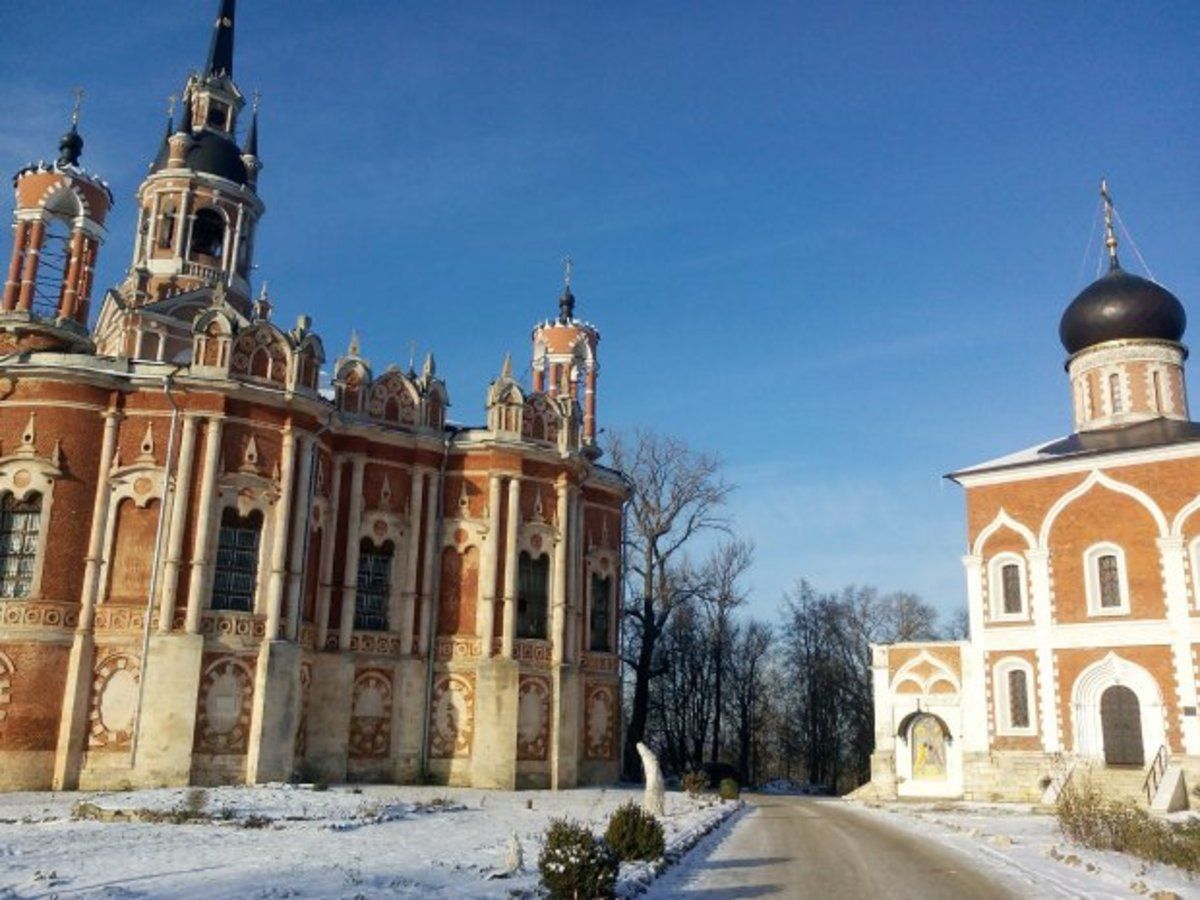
379	527
1002	699
1043	626
1085	705
1181	517
1002	520
141	483
247	493
1173	556
1094	478
995	587
941	674
25	472
1091	571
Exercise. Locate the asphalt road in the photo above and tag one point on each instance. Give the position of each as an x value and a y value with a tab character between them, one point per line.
806	847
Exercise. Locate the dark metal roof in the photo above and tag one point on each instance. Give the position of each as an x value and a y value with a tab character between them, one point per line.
1121	306
1115	439
213	154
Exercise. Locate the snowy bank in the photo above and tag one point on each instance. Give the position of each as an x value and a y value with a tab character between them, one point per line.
294	841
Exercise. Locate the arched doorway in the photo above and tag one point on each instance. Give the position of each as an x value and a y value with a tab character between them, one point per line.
1121	724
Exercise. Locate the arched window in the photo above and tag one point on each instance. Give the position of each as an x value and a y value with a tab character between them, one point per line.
533	598
1006	586
1114	393
1107	580
166	228
20	529
208	233
235	581
1156	386
1013	686
374	586
601	610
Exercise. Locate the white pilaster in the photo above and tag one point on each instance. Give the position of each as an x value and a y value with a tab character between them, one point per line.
198	586
306	446
512	531
1173	555
329	541
1039	577
279	543
358	466
486	617
180	497
558	607
412	552
974	682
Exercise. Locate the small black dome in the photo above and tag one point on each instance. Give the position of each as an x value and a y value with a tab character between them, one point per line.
69	148
211	153
1121	306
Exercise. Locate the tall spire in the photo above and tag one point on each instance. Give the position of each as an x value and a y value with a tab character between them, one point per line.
220	51
1110	234
252	133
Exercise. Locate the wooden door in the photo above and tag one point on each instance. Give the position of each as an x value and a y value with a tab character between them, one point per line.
1121	721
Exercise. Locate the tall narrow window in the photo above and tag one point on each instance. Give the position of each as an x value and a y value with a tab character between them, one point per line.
533	598
1018	698
601	614
1114	392
1110	581
1011	576
236	578
374	586
20	524
166	228
1156	380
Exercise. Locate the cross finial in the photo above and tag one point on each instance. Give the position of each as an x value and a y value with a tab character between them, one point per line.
77	106
256	99
568	268
171	101
1110	234
412	355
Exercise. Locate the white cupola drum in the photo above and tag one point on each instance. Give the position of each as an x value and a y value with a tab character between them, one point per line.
1124	338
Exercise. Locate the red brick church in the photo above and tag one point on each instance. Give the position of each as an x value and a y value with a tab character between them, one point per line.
216	568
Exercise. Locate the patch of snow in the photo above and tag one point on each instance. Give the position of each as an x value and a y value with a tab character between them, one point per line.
1024	842
291	841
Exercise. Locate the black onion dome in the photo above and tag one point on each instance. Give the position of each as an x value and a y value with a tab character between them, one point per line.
1118	307
212	154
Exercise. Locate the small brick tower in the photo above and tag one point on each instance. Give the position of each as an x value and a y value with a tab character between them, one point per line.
564	359
57	230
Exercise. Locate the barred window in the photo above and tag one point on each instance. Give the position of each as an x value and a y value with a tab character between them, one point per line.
236	578
1011	576
533	598
1114	391
20	526
601	613
374	586
1018	698
1110	581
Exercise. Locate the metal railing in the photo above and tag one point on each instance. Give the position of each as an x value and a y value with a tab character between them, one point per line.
1154	775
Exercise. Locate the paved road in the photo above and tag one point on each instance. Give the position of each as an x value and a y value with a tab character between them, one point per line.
804	847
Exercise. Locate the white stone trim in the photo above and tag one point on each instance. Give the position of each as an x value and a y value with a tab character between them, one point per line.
1001	704
1082	635
1099	477
42	474
996	587
1091	569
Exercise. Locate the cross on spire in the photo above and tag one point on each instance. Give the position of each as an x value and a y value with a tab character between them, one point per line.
77	106
1110	233
568	268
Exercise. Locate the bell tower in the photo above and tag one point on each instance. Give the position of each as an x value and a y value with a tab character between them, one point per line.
57	231
198	209
564	358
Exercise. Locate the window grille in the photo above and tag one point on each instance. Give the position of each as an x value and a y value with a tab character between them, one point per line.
20	525
1110	581
533	598
374	587
601	613
236	578
1011	577
1018	699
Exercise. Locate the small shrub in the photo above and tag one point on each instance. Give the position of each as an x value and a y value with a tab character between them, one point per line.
1087	816
695	783
574	863
634	833
195	800
729	789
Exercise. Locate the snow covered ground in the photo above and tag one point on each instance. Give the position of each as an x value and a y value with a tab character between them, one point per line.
292	841
1025	844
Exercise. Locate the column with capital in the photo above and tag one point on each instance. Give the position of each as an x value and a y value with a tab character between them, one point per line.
202	563
350	576
412	553
486	618
1039	582
1173	553
511	534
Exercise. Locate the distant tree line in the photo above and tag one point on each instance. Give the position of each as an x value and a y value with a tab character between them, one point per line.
710	687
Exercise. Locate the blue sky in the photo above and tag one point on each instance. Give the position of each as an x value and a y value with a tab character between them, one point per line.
829	242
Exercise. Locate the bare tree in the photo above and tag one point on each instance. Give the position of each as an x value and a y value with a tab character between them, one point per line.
677	493
721	592
748	673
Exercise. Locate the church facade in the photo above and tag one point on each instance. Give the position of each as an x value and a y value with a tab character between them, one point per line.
216	569
1082	566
